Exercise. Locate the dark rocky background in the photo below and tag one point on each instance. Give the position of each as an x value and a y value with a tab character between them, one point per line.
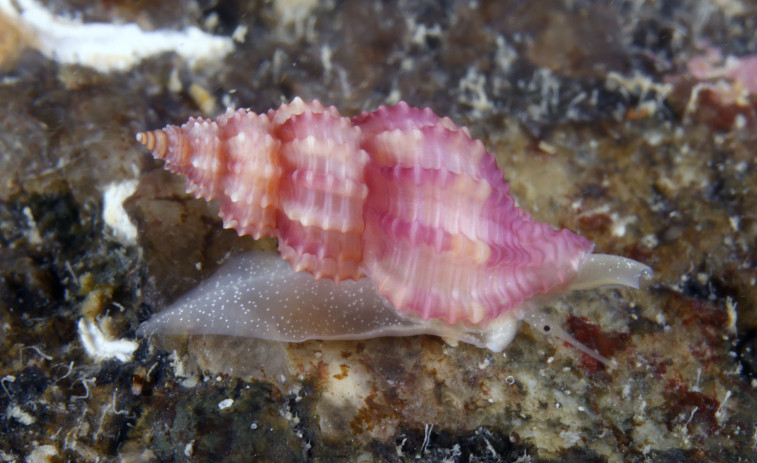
601	122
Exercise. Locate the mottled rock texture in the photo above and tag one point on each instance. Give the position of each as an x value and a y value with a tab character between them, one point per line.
588	108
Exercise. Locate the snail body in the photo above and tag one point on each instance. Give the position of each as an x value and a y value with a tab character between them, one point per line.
401	201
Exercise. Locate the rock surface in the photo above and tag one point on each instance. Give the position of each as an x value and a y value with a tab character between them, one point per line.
600	127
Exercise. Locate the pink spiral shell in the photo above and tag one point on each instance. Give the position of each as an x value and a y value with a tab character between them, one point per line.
399	195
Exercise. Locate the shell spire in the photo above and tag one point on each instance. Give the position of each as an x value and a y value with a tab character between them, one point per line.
398	195
233	159
295	173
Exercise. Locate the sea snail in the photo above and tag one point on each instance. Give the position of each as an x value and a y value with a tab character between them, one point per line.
395	222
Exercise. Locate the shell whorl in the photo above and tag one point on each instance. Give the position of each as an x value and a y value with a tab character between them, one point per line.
399	195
